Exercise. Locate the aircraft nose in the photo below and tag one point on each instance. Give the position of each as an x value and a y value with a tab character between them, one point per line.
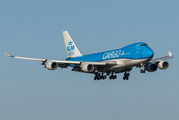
147	53
150	53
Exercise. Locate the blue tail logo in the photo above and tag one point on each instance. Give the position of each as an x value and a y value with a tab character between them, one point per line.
70	48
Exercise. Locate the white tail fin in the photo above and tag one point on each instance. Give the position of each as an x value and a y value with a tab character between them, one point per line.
71	48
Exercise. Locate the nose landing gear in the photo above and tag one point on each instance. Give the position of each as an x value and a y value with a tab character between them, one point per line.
143	69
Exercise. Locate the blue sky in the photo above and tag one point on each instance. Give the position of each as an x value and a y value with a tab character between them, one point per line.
34	29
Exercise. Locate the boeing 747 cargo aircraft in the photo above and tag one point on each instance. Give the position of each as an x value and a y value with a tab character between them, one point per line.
107	63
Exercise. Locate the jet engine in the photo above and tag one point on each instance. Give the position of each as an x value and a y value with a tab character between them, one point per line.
87	68
51	65
151	67
163	65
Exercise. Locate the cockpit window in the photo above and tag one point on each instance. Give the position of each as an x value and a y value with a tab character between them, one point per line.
143	45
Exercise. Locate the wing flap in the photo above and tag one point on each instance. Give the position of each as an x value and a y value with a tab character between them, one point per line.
66	62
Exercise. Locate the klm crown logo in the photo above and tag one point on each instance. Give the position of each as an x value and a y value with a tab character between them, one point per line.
70	43
70	48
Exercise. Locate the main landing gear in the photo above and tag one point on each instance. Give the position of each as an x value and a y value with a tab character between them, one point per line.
99	76
112	76
126	76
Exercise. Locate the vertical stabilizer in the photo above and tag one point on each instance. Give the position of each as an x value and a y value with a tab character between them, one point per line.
71	48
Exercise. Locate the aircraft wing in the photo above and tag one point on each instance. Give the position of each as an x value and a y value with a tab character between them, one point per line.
24	57
170	55
64	61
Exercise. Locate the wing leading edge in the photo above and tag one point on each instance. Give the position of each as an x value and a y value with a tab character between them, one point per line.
64	61
170	55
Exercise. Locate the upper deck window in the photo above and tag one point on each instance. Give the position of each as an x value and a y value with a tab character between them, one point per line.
143	45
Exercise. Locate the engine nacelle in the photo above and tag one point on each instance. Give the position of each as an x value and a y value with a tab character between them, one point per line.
87	68
163	65
151	67
51	65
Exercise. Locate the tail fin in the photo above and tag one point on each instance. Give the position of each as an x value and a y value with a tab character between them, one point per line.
71	48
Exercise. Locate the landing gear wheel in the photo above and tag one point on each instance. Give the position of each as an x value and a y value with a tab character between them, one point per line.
142	71
100	75
104	77
112	77
126	76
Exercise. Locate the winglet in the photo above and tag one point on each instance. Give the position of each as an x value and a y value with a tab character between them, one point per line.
8	54
170	54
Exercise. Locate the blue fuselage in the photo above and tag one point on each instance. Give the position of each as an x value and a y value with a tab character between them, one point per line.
134	51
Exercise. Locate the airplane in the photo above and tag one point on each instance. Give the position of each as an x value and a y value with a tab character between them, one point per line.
107	63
